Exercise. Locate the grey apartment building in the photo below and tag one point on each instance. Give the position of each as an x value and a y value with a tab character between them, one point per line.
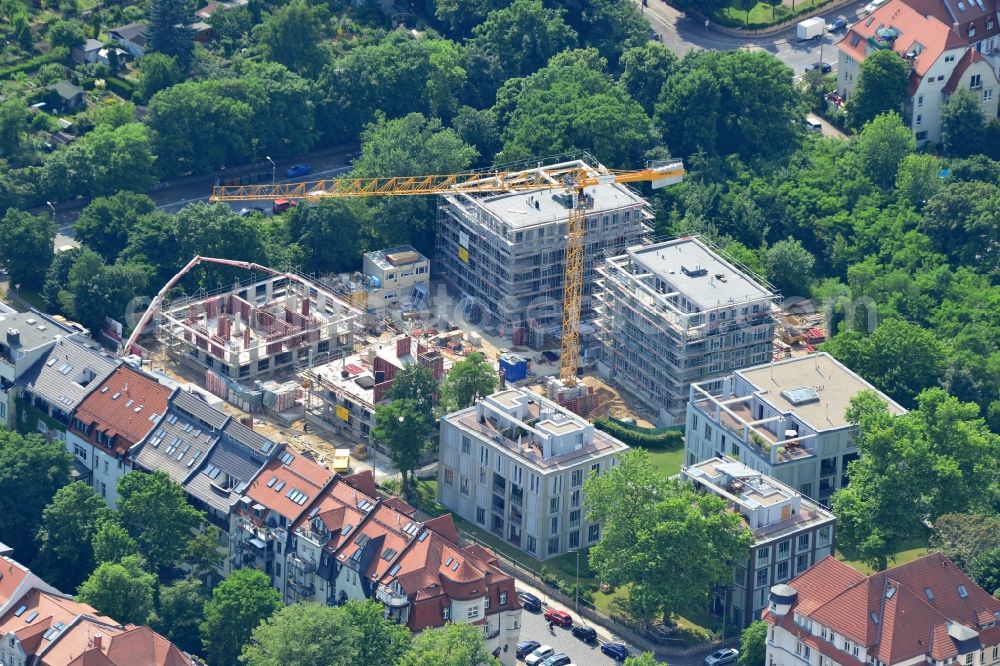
785	419
791	533
506	252
675	313
515	463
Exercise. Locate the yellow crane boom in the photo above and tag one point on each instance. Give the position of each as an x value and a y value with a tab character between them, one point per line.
573	179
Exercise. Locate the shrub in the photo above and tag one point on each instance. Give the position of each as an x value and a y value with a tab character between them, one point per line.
120	87
647	438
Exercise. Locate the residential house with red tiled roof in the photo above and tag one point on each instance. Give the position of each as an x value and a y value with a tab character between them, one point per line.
114	417
40	626
941	57
923	612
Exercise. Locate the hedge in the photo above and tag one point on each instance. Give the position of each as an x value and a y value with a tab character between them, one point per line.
120	87
56	55
646	438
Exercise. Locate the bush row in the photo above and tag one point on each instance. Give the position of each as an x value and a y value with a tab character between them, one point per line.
656	439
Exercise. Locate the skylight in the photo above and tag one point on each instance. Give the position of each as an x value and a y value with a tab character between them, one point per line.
394	570
31	617
388	553
423	536
929	593
346	530
116	395
962	592
874	618
20	611
287	458
450	560
273	480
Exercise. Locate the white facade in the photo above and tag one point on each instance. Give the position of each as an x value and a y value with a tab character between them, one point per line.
398	277
515	464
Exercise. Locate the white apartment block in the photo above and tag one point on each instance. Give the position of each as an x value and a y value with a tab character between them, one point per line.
950	45
675	313
784	419
396	278
515	464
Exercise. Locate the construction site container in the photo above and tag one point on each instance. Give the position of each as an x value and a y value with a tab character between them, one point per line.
513	367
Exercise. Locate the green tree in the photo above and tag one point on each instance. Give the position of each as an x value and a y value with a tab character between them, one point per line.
789	267
688	112
202	553
645	69
238	604
58	275
524	35
480	129
291	36
403	427
963	125
112	543
303	635
180	611
95	290
13	126
963	219
450	645
753	644
468	379
67	34
670	544
881	87
571	105
882	145
382	640
965	536
415	382
457	18
644	659
900	358
69	522
167	32
917	179
105	224
155	512
327	234
985	570
156	72
122	590
609	26
32	469
26	247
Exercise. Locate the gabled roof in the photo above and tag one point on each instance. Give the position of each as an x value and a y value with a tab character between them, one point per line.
68	372
289	475
65	89
133	32
961	67
126	405
12	574
976	13
235	462
182	438
899	614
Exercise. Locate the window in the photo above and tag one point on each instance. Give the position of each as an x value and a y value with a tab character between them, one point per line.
449	476
484	456
781	573
920	100
554	545
823	536
574	499
554	525
949	58
574	539
988	95
533	484
803	544
473	612
763	576
593	533
741	576
463	485
920	119
503	598
487	606
764	555
921	136
574	518
466	446
554	505
480	515
531	544
784	549
826	634
976	81
446	613
576	480
802	563
80	452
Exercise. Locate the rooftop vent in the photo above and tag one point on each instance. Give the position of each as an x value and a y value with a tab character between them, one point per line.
697	271
801	396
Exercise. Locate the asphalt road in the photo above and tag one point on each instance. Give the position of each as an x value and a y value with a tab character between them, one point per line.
681	34
535	628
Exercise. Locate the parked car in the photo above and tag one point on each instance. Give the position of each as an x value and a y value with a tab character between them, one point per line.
616	651
540	654
560	659
813	125
824	67
524	648
585	633
250	211
562	618
530	602
281	205
837	25
722	657
872	6
298	170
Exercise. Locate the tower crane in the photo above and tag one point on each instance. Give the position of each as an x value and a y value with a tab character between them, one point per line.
572	180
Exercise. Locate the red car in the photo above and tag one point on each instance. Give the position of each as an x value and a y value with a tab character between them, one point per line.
562	618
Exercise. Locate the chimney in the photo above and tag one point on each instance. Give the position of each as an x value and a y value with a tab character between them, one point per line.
13	337
954	28
98	641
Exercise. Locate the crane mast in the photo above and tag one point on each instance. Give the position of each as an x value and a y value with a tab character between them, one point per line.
572	179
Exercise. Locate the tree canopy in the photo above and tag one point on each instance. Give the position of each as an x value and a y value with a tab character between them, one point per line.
881	87
26	246
468	379
65	553
237	605
303	635
450	645
154	511
122	590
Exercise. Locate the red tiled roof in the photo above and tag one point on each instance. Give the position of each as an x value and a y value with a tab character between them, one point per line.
948	12
272	487
913	603
108	413
12	574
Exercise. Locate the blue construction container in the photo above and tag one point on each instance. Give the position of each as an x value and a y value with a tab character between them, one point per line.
513	367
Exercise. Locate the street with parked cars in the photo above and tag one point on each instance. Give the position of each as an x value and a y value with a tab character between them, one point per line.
568	635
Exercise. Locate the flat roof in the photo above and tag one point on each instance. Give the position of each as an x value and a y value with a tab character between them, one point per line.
35	328
834	383
701	284
519	211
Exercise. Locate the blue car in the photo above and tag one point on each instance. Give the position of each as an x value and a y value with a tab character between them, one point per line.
298	170
616	651
530	602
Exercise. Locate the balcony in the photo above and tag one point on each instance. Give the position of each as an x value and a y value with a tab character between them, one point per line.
295	561
390	598
302	589
516	496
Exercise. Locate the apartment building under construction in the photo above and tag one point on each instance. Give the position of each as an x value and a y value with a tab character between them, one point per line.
506	252
677	312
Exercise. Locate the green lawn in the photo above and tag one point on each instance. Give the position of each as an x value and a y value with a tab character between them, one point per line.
911	550
667	462
762	14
